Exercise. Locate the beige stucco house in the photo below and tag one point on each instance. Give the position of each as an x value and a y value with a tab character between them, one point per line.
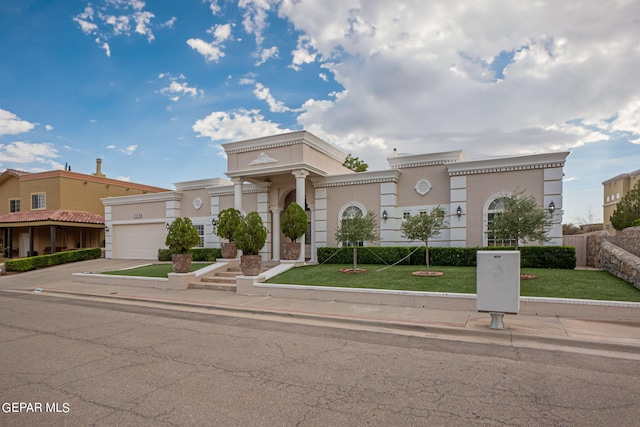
613	190
267	174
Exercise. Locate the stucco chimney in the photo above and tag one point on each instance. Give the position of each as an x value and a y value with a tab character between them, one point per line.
99	168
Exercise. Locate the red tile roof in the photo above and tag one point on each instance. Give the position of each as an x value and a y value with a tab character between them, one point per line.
53	215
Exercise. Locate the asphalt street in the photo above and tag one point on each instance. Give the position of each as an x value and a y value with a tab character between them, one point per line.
103	363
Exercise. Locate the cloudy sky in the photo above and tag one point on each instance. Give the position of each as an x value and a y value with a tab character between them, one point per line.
154	88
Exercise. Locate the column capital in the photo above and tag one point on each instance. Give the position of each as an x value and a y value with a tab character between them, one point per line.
275	209
300	173
237	181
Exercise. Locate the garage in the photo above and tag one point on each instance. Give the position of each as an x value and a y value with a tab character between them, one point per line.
138	241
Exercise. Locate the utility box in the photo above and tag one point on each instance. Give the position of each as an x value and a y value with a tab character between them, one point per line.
498	281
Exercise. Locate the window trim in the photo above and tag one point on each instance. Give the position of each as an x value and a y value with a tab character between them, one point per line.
44	200
11	210
485	216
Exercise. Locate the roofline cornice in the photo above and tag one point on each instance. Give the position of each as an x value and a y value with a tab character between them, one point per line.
507	164
166	196
431	159
356	178
283	140
621	176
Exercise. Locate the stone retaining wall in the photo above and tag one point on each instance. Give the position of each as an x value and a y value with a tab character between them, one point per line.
628	239
603	253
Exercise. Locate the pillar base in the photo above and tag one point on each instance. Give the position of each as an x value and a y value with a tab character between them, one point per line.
497	321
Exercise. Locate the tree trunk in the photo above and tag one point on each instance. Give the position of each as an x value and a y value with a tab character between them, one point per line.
426	244
355	258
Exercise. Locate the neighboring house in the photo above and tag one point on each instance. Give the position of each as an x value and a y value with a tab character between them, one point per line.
48	212
269	173
614	189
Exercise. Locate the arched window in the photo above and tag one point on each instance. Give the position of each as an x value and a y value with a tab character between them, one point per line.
495	208
349	212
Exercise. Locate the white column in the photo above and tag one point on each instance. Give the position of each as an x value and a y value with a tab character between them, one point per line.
301	176
237	193
553	193
314	255
458	199
275	231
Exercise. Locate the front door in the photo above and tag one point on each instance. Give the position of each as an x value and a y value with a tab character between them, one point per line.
24	244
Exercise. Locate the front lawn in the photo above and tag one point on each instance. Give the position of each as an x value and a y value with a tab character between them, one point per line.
154	270
580	284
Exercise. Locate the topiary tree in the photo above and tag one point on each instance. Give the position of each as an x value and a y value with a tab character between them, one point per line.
182	236
251	234
627	210
521	219
228	221
424	226
294	222
357	228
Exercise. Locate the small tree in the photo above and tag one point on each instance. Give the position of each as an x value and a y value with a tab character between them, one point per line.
355	164
251	234
627	210
228	221
357	228
424	226
294	222
521	219
182	236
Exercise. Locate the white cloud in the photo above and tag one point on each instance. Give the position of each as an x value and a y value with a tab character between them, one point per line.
48	127
117	18
111	147
255	18
264	94
450	76
124	178
25	152
237	125
267	54
212	51
10	124
178	87
129	149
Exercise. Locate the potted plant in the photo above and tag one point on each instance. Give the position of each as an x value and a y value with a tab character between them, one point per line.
250	237
227	224
293	225
181	237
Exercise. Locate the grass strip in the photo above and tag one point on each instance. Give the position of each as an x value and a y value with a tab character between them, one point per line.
154	270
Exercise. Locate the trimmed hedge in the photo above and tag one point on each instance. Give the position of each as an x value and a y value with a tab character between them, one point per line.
562	257
197	254
41	261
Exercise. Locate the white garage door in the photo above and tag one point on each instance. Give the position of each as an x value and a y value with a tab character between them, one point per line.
138	241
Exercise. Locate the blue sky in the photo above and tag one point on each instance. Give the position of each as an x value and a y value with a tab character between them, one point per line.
154	88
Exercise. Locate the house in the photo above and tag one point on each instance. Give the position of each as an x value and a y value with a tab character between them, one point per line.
48	212
613	190
267	174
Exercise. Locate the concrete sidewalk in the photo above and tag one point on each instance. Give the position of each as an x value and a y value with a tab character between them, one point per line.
597	328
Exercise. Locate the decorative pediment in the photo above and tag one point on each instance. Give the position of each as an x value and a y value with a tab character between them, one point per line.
262	159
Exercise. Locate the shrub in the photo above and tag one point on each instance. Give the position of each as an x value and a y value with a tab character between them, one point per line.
197	254
294	222
561	257
228	221
42	261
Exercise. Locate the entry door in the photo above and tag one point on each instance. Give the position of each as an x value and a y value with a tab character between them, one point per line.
24	244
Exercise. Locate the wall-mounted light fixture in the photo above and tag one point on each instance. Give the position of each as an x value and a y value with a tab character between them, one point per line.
106	228
385	215
552	207
168	225
214	223
459	212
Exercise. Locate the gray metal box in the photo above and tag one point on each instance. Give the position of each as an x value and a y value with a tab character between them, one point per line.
498	281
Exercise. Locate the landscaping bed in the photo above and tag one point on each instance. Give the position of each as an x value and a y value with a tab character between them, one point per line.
154	270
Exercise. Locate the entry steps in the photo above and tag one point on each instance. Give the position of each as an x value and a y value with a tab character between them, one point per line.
225	280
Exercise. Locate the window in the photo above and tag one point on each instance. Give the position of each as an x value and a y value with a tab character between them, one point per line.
495	208
422	212
38	201
406	214
200	230
348	213
14	205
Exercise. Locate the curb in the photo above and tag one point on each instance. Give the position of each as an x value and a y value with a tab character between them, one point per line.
437	331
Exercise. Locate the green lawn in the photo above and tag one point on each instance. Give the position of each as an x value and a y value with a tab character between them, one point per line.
581	284
154	270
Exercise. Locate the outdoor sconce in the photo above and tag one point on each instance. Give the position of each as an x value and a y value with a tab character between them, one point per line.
106	228
552	207
385	215
459	212
168	225
214	223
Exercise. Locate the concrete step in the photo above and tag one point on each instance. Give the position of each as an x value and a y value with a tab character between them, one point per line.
213	286
218	279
